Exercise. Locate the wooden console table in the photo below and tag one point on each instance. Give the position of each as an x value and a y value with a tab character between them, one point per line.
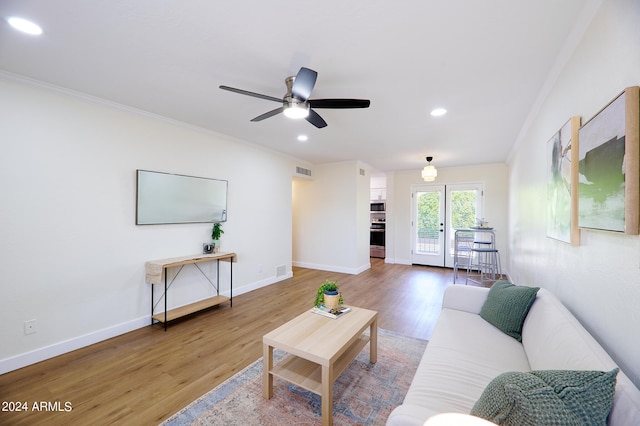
156	273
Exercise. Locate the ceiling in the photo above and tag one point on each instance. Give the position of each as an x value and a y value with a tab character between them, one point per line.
486	62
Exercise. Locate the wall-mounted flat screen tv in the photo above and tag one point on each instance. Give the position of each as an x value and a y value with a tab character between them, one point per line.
164	198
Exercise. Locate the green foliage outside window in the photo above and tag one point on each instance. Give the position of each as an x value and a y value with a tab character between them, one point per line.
428	214
463	209
463	212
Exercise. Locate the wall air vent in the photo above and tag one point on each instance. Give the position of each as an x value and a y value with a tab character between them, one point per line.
303	171
281	270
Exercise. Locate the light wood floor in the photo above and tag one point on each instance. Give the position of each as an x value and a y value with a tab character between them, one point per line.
144	376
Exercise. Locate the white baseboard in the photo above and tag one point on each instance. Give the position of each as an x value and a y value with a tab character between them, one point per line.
41	354
51	351
397	261
333	268
258	284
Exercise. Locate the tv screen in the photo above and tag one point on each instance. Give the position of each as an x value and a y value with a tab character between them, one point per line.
164	198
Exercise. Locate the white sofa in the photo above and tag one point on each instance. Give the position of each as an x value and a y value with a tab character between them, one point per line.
466	352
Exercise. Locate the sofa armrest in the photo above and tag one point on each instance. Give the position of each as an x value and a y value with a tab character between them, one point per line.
465	298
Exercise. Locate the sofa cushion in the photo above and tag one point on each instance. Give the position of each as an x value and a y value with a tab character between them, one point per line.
551	397
464	354
507	306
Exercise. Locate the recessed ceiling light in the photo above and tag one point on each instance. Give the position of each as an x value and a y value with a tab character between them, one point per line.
303	138
24	25
438	112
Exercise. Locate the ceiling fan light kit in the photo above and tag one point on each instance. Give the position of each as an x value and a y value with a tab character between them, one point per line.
296	110
296	103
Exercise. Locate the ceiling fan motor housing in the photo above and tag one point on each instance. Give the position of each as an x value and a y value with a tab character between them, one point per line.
294	107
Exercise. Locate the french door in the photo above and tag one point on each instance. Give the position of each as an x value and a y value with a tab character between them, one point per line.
437	211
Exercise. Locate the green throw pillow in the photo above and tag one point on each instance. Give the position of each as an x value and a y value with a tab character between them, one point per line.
588	394
548	397
507	306
522	399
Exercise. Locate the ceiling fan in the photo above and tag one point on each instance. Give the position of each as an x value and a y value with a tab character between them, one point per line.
296	102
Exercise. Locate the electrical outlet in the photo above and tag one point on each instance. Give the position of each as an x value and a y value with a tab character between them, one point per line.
30	327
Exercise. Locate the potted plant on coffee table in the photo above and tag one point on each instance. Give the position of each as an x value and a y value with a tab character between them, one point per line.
328	295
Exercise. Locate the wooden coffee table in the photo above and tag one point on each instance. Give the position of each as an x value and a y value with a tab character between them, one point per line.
319	350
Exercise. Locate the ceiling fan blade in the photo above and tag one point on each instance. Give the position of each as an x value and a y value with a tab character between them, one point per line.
255	95
315	119
303	84
268	114
339	103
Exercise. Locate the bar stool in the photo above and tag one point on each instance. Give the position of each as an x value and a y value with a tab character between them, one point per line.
486	260
463	242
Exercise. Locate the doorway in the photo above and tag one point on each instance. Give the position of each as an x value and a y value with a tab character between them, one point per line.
437	211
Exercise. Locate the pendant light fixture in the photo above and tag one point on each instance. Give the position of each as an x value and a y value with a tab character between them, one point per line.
429	172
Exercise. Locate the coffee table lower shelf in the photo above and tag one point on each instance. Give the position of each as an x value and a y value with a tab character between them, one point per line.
308	374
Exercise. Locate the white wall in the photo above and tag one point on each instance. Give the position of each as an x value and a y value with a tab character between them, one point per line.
363	217
599	281
378	186
494	177
71	255
331	226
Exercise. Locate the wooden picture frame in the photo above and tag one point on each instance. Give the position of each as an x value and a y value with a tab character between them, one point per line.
562	184
609	166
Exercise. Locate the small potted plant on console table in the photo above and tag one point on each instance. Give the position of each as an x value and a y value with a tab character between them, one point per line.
216	232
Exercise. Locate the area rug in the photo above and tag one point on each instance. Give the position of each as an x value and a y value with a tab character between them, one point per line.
365	393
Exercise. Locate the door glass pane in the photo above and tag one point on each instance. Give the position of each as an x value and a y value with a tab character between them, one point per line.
463	210
428	222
